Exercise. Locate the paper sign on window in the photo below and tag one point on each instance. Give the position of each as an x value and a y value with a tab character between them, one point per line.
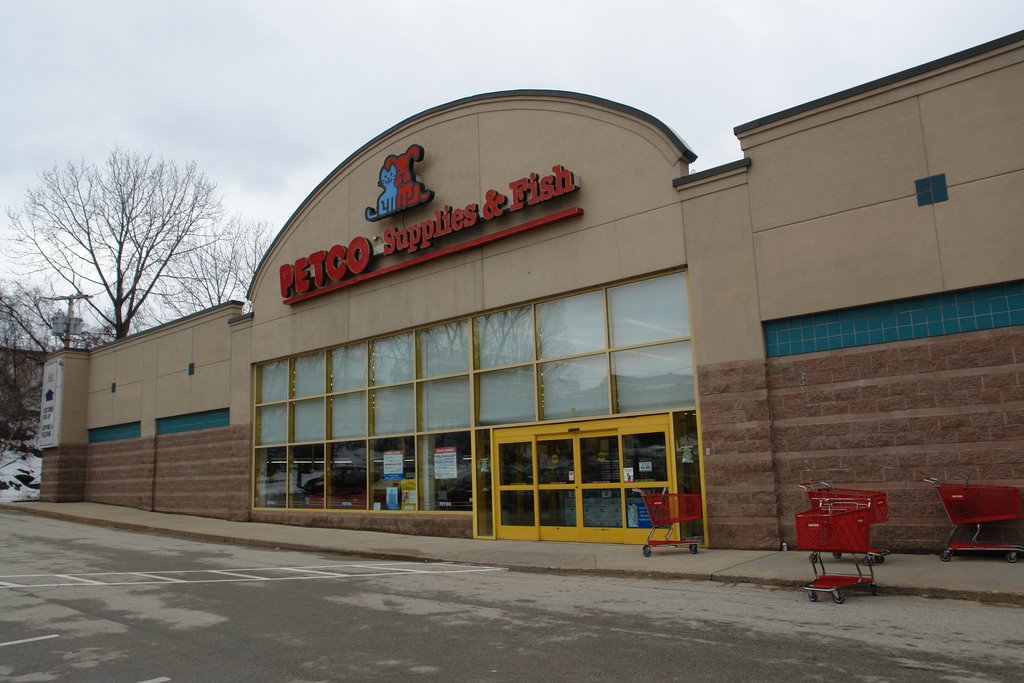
445	463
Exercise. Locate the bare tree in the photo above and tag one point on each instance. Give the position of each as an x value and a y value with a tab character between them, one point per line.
114	230
24	342
220	271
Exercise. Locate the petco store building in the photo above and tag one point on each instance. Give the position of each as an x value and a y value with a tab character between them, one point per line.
506	316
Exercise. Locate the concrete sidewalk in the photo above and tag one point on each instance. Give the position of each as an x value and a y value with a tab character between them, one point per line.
988	578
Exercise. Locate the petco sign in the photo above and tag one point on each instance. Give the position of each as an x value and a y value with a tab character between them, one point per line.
339	266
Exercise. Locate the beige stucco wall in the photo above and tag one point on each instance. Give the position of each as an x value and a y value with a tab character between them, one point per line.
834	214
150	371
632	221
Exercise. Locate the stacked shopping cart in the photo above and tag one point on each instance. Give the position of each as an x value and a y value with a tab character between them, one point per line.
839	521
978	504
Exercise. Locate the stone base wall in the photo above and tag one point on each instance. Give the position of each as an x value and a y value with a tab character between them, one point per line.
121	473
739	478
204	472
445	525
885	417
63	476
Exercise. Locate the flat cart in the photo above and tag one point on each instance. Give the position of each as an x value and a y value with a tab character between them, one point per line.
836	529
821	492
666	510
977	504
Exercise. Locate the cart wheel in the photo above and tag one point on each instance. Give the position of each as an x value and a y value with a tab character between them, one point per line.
813	557
838	556
1011	556
879	559
693	551
945	555
647	551
838	597
812	596
869	559
874	589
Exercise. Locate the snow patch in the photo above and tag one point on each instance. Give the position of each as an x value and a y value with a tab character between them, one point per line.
19	476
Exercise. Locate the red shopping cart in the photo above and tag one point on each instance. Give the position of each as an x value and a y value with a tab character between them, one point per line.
820	492
840	528
666	510
977	504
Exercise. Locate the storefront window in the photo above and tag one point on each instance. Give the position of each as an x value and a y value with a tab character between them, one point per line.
649	311
274	381
444	350
506	396
348	415
503	338
306	477
444	404
566	327
445	470
273	423
348	368
574	388
309	420
653	377
391	360
394	473
385	424
348	476
394	409
271	477
644	456
309	375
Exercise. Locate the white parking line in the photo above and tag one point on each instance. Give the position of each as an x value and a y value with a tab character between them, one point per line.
29	640
237	575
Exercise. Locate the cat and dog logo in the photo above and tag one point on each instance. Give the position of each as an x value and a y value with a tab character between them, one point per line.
401	189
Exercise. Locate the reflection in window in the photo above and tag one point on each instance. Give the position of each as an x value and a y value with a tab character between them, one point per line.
555	463
271	477
309	420
558	507
643	457
391	359
306	476
274	381
444	350
273	421
503	338
570	326
653	377
445	470
444	403
649	311
574	388
394	409
309	375
506	396
517	508
348	475
599	458
516	461
348	368
348	415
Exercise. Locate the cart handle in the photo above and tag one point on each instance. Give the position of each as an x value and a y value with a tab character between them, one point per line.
815	485
932	480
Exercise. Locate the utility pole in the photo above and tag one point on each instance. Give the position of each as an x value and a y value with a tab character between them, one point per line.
62	327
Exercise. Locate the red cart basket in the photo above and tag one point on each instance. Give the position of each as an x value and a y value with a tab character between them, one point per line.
667	509
841	528
821	492
977	504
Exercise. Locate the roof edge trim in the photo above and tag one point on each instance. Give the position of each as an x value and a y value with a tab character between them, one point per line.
880	82
701	175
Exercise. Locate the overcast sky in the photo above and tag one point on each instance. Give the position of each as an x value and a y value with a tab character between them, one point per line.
268	97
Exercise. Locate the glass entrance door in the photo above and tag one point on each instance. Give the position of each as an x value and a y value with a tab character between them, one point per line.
578	481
